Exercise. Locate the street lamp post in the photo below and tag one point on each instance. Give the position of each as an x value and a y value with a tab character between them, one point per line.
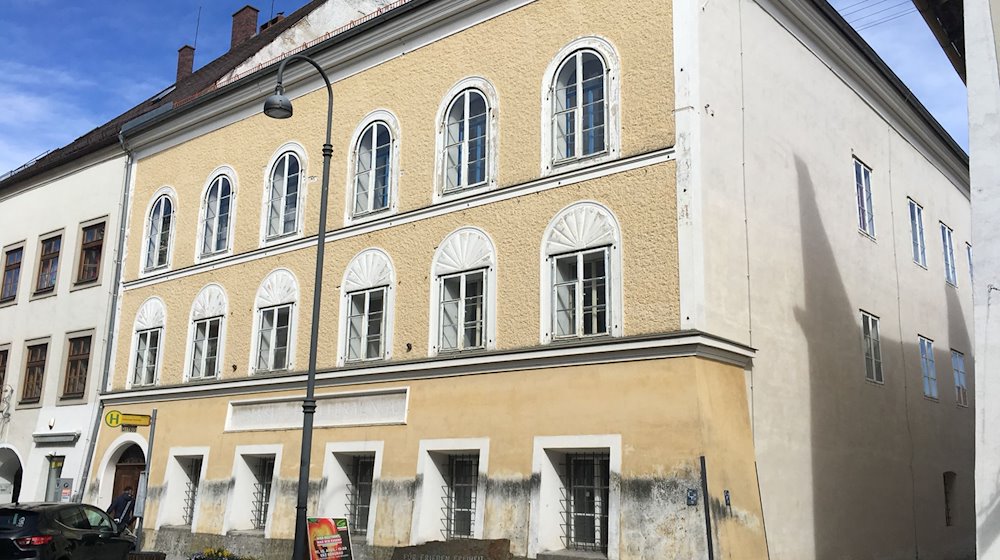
278	106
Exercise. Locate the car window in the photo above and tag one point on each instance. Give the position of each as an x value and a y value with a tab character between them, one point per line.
98	519
16	519
73	518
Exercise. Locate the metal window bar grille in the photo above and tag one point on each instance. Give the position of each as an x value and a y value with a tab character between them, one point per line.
460	489
193	471
586	483
359	493
263	472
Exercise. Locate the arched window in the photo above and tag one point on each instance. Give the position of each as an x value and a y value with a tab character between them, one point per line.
463	293
580	105
215	219
366	311
373	169
466	139
274	340
283	196
207	333
581	274
158	232
147	341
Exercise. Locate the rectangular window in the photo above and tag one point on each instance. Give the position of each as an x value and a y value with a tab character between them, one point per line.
48	264
147	349
360	492
192	469
958	368
91	245
34	373
272	346
927	367
11	274
873	350
263	473
205	348
949	497
462	311
863	183
949	255
917	233
77	366
587	497
365	322
4	354
460	489
580	295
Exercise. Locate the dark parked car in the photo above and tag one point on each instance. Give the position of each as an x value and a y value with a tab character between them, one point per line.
65	531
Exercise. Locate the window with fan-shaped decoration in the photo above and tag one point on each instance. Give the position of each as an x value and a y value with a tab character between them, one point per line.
463	293
366	310
275	322
150	322
581	274
207	333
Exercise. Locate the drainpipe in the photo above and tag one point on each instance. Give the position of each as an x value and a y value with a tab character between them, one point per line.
112	317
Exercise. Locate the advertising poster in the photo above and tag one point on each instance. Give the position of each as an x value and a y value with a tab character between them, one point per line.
329	538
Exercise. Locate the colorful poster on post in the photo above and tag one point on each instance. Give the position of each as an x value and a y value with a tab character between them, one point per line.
329	538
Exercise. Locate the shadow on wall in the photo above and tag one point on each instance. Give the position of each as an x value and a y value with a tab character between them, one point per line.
877	465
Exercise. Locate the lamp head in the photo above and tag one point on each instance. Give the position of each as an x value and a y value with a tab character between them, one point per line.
278	106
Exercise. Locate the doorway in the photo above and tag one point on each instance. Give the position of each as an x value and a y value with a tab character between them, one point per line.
10	476
127	470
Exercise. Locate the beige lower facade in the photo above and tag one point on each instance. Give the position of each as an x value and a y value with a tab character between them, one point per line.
646	427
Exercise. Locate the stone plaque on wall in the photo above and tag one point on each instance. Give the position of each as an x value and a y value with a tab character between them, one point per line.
456	550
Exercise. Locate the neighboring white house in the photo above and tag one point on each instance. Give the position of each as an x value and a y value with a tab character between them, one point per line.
982	36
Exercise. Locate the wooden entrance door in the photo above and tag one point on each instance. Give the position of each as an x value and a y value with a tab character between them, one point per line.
128	469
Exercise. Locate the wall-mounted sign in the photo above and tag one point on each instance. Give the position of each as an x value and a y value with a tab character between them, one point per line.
329	538
115	418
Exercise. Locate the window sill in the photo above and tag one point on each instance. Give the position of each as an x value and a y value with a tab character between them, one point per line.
458	194
29	404
369	216
923	266
8	302
932	399
571	555
84	285
275	240
209	257
556	167
952	284
50	292
875	382
867	236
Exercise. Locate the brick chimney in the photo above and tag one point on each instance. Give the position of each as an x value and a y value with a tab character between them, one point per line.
244	25
185	62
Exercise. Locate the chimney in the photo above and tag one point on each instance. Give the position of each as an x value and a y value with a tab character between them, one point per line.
244	25
185	62
274	20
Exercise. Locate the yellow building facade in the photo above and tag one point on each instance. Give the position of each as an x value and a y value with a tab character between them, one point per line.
500	353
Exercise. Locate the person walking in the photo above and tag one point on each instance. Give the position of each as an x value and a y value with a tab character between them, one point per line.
121	508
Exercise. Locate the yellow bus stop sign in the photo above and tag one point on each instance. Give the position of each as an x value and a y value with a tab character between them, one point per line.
115	418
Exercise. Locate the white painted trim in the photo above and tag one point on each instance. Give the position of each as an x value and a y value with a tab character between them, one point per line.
485	87
105	474
154	300
612	91
425	525
610	351
490	303
293	322
230	174
542	517
445	208
389	118
220	355
389	311
168	500
231	510
171	194
546	319
300	152
328	501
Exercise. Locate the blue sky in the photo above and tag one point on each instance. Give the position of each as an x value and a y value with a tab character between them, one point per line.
68	67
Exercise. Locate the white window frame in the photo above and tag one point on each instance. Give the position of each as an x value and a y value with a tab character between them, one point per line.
147	334
211	303
466	249
366	323
545	531
958	372
204	358
369	269
863	198
239	502
200	255
336	494
300	152
578	297
871	339
919	247
563	236
427	515
168	193
612	78
276	311
279	288
389	119
948	248
151	316
486	89
928	368
171	506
